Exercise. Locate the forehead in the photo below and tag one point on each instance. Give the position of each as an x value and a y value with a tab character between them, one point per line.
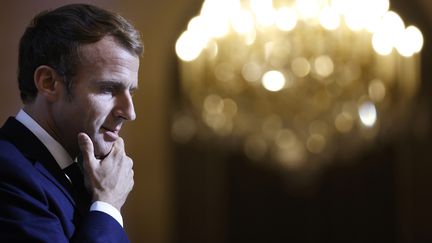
107	59
107	46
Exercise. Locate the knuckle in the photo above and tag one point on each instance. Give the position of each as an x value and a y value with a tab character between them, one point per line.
120	142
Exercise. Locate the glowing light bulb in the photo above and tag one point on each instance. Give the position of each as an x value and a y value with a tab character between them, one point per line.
392	25
380	7
414	38
260	6
368	114
344	122
301	67
382	43
377	90
286	19
329	18
324	66
308	8
251	72
273	81
242	22
216	15
264	11
190	45
388	34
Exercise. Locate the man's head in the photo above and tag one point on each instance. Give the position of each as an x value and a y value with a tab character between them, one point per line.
78	67
54	38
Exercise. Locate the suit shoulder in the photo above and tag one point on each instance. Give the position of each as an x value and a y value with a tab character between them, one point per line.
11	158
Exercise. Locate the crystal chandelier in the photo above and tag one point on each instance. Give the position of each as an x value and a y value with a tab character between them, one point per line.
296	81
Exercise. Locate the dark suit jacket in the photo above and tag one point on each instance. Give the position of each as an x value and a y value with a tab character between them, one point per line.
37	203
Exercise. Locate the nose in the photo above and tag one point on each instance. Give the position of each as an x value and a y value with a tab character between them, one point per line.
124	107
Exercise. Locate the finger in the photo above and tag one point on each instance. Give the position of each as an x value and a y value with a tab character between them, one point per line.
120	143
130	162
118	147
86	147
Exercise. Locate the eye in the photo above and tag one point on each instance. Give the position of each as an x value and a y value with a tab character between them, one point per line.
108	89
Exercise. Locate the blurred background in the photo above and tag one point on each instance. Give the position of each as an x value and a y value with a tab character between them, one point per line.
203	187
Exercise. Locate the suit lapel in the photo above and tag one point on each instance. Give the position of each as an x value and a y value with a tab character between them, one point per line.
37	153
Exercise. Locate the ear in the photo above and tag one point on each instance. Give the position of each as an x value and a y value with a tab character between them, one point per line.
47	83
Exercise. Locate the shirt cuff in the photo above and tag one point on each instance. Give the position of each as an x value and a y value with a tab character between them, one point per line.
108	209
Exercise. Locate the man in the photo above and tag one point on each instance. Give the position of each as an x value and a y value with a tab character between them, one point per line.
78	68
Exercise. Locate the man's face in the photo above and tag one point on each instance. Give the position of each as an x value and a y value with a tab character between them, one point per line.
101	97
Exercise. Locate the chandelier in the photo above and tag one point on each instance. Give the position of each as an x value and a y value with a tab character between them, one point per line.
295	81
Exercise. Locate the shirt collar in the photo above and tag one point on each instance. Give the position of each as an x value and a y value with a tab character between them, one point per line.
57	151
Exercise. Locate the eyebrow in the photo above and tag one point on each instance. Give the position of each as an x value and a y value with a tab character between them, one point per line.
117	84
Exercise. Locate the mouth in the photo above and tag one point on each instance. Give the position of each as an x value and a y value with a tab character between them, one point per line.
110	134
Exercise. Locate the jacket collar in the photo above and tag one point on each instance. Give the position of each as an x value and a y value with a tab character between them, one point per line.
33	149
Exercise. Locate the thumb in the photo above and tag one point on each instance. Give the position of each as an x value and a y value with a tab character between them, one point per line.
86	147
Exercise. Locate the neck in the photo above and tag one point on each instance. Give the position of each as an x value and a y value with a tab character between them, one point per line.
42	116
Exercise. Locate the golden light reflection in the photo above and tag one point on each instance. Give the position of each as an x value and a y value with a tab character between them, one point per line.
189	46
273	81
308	8
229	108
344	122
295	81
286	19
264	12
213	104
300	66
377	90
410	41
324	66
243	22
329	18
368	114
251	72
316	143
224	72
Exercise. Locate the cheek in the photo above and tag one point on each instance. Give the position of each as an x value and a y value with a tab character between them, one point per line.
97	112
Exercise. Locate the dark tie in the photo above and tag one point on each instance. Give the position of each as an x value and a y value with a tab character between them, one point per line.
81	196
74	173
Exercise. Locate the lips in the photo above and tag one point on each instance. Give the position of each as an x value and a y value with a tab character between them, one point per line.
110	134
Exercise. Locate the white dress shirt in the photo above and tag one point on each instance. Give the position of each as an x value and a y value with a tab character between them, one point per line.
63	159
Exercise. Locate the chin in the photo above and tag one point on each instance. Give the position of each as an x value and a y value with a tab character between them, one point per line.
102	149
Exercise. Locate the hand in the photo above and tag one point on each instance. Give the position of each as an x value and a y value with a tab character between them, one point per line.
111	179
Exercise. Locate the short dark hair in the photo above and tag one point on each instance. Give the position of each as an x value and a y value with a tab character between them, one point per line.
53	38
